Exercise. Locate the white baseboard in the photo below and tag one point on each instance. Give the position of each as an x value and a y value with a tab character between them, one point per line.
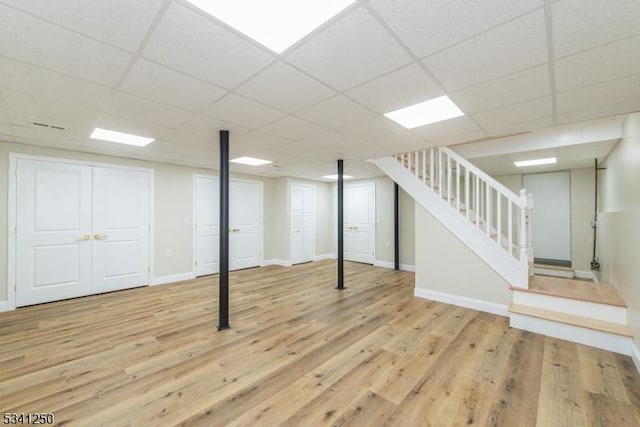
275	261
577	334
323	257
635	355
585	274
163	280
387	264
4	306
487	307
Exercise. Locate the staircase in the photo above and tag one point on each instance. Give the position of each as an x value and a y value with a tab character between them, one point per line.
495	224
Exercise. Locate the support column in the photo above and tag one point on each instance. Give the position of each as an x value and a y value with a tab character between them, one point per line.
223	276
396	226
340	285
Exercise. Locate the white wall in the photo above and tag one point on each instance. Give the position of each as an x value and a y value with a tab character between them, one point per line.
173	208
445	264
582	205
619	220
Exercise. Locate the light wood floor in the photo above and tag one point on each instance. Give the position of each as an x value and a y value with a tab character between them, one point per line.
301	354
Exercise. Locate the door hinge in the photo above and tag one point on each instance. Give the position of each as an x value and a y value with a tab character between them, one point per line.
196	263
148	269
15	287
149	227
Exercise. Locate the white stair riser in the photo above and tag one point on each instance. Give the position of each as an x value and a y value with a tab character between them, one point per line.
553	272
576	334
592	310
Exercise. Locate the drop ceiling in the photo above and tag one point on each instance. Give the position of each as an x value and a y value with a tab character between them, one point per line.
167	70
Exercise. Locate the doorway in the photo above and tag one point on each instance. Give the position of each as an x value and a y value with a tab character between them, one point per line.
302	222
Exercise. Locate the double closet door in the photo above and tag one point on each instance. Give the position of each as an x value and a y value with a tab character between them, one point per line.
245	224
80	230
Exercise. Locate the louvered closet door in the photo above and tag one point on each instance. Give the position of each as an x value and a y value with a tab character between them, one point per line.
53	259
120	229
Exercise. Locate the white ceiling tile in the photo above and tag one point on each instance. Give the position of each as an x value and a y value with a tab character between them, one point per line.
398	89
579	25
144	110
210	128
427	26
350	51
170	87
370	128
121	26
51	138
336	111
608	62
242	111
293	128
460	138
522	112
47	45
512	89
51	86
525	126
254	144
511	47
608	93
194	44
600	111
24	109
446	128
284	87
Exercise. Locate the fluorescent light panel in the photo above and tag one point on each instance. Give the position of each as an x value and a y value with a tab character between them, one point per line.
536	162
424	113
250	161
336	176
276	24
120	137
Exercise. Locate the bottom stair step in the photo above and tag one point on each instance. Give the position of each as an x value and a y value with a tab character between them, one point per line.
568	319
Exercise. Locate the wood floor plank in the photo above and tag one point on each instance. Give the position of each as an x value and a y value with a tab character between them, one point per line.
300	353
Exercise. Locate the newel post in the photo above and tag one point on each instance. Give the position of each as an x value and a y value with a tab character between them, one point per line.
523	239
530	230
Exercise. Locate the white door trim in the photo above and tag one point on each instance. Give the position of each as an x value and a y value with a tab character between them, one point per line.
370	183
313	218
193	219
12	212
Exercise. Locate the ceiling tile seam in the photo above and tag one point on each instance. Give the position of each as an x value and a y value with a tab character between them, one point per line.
598	46
480	33
134	57
537	98
417	61
503	76
548	20
72	30
598	83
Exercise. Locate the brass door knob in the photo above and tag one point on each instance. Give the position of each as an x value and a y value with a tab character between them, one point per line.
100	236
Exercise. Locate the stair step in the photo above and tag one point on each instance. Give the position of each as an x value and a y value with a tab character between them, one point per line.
583	322
601	293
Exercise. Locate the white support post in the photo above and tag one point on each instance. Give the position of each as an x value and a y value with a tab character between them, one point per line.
522	239
467	190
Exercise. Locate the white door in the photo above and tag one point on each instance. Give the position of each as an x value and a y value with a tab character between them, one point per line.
302	230
359	222
207	225
551	215
121	229
245	222
53	231
245	225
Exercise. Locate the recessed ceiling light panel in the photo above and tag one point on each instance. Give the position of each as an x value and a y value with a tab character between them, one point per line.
424	113
276	24
336	176
120	137
250	161
536	162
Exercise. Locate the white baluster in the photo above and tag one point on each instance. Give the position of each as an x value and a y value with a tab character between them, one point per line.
530	229
432	165
458	186
522	239
499	216
449	179
424	166
440	172
466	191
488	204
477	201
417	162
510	225
409	161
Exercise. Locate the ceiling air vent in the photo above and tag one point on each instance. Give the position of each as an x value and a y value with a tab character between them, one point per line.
48	125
